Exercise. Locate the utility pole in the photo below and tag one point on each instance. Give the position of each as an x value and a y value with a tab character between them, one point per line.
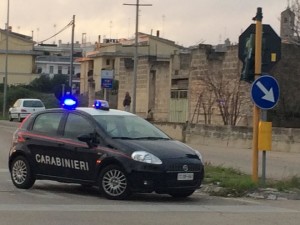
6	62
135	52
71	56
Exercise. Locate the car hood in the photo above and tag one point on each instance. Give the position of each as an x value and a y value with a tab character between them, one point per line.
163	149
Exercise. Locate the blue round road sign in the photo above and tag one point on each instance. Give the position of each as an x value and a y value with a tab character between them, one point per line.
265	92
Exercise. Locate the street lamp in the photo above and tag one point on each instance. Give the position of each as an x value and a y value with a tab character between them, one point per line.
6	62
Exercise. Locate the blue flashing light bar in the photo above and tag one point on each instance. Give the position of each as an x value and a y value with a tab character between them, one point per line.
69	102
101	104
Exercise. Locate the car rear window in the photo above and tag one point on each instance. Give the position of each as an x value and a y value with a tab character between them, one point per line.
32	103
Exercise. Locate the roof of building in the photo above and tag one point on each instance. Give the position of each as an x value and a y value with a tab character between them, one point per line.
18	36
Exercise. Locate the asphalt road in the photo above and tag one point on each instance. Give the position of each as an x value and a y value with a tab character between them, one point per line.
53	203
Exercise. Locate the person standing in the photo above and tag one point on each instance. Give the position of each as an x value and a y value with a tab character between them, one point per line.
127	102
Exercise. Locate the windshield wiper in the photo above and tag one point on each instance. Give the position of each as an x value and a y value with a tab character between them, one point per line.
123	138
152	138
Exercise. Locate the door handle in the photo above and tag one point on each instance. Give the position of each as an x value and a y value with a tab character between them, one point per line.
61	144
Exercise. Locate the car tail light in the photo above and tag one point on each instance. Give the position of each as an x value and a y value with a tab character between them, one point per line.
23	110
20	138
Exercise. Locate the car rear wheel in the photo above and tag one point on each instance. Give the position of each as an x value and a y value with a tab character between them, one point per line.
182	194
19	118
9	117
113	183
21	174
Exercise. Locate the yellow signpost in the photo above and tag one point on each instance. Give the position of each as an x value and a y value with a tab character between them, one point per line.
257	61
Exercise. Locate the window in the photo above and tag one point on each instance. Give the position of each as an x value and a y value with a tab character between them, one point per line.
33	103
118	126
107	62
47	123
39	70
17	103
176	94
59	70
51	70
77	125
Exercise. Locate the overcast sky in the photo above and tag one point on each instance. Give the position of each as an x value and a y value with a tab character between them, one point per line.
187	22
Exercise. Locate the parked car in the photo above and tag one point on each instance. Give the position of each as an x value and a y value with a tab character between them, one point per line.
23	107
117	151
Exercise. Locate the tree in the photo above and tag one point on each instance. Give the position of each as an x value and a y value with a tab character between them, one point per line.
295	7
46	84
41	84
228	97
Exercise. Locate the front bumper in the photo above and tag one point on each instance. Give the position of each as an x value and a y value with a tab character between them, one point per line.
164	179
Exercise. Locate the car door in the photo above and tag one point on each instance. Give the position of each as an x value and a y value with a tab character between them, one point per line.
44	144
83	159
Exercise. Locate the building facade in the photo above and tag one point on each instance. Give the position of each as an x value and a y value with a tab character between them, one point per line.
19	55
153	79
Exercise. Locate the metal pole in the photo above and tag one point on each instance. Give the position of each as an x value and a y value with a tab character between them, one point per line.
135	58
256	110
6	63
135	65
71	56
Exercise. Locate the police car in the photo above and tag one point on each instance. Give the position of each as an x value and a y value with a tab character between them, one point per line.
119	152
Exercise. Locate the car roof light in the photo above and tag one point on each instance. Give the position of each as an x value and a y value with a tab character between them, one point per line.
69	102
101	104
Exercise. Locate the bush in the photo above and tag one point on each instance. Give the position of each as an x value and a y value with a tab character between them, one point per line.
16	92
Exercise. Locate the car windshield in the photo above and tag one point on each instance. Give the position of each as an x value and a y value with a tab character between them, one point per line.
33	103
129	127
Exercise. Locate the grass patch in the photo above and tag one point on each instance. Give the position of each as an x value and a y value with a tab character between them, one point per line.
232	182
285	185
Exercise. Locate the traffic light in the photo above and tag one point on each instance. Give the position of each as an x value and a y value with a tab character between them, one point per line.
248	70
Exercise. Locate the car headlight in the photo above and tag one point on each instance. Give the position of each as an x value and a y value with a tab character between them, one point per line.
145	157
199	155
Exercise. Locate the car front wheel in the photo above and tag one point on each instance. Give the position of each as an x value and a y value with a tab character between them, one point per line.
113	183
21	174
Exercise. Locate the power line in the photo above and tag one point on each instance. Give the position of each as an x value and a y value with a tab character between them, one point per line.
67	26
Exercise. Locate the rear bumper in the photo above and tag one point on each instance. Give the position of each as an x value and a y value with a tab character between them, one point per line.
16	115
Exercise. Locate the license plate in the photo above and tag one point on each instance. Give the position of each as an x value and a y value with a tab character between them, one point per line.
185	176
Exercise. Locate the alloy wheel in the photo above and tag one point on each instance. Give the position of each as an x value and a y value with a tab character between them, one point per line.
19	172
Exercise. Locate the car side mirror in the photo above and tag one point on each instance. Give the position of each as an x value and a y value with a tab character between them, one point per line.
88	138
84	138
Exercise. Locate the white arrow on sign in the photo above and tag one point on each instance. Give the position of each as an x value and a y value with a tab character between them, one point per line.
269	95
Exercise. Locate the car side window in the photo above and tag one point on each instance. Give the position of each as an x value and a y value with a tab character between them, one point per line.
17	104
77	125
47	123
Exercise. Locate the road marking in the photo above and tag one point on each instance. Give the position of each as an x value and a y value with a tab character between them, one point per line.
144	208
4	170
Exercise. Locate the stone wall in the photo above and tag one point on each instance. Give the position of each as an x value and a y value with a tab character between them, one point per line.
283	139
287	73
217	69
